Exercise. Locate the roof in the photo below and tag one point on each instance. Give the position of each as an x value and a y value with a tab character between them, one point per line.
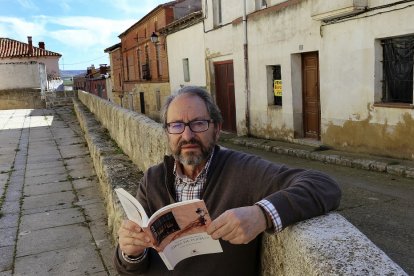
113	47
10	48
182	23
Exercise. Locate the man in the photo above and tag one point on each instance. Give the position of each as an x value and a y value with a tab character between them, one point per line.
244	194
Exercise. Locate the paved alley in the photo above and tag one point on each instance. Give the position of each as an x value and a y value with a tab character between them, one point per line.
52	216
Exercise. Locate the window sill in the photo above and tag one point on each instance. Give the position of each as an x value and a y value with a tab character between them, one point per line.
275	107
395	105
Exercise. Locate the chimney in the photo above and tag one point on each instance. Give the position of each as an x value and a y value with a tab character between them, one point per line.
41	45
30	51
102	69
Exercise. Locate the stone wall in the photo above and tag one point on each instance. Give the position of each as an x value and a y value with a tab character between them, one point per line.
141	138
326	245
24	98
18	75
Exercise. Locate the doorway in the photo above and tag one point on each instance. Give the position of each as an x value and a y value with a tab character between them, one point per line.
225	97
311	97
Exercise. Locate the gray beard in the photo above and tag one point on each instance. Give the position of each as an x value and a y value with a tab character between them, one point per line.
190	159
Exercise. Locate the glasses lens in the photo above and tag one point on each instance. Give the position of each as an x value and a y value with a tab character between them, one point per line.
199	126
175	127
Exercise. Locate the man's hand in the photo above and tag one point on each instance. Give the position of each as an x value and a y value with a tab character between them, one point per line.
239	225
132	240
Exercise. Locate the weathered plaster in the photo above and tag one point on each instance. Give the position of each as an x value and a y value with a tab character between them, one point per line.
366	136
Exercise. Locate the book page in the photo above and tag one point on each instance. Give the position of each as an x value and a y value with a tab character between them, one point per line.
188	246
133	209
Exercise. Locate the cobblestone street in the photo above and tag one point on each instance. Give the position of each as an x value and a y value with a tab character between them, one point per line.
53	219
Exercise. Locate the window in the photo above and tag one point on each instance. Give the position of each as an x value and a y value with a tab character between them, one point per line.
127	67
217	13
186	70
158	57
398	62
274	77
139	64
260	4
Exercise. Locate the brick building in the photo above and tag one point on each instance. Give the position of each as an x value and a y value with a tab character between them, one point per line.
95	81
140	65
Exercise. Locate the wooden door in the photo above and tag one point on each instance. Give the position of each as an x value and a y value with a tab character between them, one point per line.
311	102
225	97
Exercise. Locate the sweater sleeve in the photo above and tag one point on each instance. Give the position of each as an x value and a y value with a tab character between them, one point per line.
304	194
133	268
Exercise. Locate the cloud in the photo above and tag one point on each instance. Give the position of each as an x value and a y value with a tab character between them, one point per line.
19	29
133	7
85	31
28	4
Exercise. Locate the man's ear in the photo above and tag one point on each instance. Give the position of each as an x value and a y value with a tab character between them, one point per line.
217	131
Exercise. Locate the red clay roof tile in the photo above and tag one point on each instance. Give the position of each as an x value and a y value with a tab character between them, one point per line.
10	48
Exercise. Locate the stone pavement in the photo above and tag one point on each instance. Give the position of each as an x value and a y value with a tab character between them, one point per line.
52	216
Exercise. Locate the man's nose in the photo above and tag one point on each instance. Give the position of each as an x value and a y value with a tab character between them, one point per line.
188	134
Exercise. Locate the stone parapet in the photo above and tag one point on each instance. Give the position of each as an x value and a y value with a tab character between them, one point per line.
326	245
24	98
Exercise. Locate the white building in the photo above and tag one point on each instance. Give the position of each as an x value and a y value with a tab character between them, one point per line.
13	51
311	70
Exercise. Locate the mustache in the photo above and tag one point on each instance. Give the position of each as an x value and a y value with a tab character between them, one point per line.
192	141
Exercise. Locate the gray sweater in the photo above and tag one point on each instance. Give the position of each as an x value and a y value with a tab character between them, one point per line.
234	180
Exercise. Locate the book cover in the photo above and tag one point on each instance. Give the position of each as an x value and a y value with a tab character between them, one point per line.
178	230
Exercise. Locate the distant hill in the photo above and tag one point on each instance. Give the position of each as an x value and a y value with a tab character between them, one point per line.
71	73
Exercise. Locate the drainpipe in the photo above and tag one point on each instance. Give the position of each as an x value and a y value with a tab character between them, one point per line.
246	69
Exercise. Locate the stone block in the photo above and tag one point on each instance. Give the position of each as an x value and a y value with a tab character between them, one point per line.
49	239
6	260
8	236
45	200
78	260
325	245
49	219
396	170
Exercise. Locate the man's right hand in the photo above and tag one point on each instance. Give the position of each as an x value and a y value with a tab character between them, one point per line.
132	240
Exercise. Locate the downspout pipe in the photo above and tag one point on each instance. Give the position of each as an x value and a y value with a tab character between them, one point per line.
246	69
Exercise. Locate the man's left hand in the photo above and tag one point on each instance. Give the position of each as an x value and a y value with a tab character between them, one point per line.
239	225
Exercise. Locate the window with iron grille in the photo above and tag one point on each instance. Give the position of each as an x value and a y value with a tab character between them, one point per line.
398	62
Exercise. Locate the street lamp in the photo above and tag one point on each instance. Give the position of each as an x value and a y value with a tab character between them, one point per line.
154	38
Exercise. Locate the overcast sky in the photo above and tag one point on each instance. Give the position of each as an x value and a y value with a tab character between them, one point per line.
79	30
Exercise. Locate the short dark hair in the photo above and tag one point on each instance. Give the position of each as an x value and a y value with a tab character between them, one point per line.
212	108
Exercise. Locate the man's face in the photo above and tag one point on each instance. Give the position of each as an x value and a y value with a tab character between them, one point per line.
191	148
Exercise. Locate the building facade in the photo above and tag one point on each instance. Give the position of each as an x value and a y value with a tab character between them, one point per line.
95	81
144	75
15	51
304	70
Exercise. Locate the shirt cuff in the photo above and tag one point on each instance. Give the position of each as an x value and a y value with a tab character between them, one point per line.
134	260
272	212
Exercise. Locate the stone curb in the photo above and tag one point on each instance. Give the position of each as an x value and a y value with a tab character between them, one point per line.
364	164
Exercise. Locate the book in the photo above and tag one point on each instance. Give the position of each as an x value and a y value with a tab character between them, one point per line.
177	231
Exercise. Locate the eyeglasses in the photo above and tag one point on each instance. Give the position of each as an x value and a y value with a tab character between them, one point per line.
195	126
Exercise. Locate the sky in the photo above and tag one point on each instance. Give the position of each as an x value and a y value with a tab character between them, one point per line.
79	30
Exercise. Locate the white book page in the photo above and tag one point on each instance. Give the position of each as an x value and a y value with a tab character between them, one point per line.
171	206
188	246
132	207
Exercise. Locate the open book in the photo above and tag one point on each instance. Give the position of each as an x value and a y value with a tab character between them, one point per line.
178	230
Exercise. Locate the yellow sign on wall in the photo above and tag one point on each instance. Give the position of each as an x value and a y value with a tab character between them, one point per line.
277	88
